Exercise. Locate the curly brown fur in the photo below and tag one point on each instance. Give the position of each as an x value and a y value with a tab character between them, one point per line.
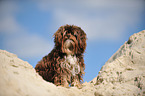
64	65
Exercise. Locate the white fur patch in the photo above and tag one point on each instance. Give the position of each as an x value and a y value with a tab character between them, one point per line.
72	64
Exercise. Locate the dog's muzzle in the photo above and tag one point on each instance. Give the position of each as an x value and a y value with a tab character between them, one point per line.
69	47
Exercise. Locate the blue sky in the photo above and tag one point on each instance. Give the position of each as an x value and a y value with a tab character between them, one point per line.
27	27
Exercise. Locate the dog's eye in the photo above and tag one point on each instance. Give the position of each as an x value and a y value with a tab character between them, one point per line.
62	34
75	36
66	32
72	33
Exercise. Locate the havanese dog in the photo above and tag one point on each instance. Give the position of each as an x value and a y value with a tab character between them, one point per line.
64	65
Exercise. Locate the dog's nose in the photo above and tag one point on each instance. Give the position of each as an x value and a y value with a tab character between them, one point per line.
68	36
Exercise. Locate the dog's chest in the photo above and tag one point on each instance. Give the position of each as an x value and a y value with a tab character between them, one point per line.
71	63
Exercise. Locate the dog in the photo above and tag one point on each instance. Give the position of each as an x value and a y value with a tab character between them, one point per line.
64	65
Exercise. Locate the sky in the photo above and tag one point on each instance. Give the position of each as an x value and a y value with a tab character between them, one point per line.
27	27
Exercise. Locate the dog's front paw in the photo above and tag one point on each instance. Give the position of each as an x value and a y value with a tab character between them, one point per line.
77	84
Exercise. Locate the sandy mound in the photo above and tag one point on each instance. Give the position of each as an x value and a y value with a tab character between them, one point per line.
123	74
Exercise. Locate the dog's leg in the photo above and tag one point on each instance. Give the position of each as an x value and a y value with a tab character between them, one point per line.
61	80
76	82
65	81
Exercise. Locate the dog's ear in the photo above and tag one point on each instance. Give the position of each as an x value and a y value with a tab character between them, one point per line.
58	35
81	40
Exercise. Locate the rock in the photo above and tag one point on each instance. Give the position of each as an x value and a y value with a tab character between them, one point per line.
122	75
19	78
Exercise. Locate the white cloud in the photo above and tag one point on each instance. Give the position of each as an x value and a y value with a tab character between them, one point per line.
101	19
16	38
8	23
8	8
28	45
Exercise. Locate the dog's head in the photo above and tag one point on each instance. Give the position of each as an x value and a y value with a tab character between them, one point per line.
70	39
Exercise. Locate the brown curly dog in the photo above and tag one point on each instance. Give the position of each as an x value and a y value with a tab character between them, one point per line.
64	65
